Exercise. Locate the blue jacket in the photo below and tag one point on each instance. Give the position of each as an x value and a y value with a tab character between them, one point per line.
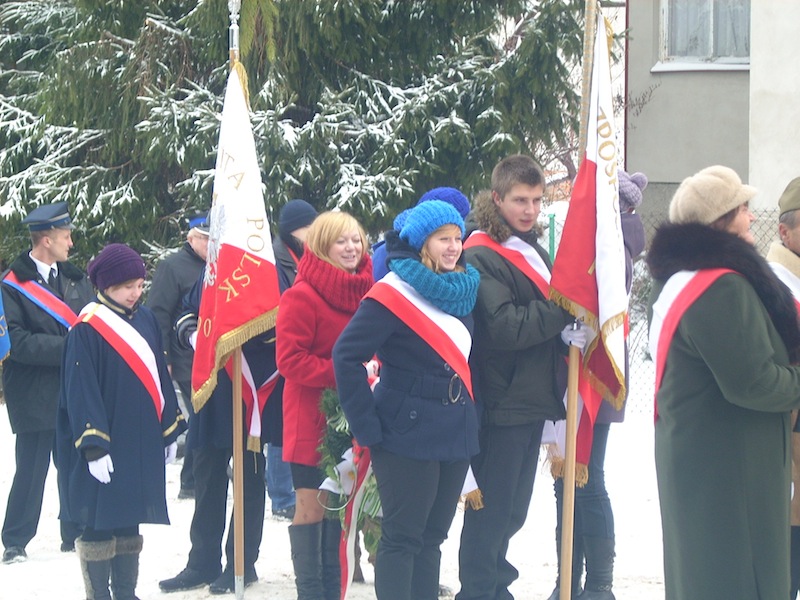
410	412
104	406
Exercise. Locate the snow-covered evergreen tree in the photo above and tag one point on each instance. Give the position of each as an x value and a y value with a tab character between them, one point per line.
357	104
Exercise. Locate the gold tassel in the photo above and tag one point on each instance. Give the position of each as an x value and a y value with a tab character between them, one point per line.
242	73
473	499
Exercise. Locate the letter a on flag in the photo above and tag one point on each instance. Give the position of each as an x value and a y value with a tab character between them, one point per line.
588	277
240	290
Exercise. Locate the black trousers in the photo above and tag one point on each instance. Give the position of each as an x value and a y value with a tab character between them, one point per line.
187	470
419	499
210	508
32	455
505	471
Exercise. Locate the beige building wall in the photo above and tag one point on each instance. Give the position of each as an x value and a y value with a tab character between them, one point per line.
679	121
774	98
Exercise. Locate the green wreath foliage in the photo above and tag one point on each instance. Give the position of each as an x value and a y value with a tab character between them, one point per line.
335	442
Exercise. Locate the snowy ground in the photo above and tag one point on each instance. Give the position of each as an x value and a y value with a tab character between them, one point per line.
50	574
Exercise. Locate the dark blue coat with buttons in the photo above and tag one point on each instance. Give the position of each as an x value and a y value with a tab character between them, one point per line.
418	409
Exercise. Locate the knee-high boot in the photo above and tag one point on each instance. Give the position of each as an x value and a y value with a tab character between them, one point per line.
125	567
331	569
95	558
306	542
577	568
599	568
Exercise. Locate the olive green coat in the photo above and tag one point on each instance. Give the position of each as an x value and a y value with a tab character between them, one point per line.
723	452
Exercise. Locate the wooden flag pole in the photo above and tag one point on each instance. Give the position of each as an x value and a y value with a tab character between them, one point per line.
568	499
238	477
238	434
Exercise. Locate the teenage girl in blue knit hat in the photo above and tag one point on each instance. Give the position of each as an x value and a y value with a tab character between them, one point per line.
420	423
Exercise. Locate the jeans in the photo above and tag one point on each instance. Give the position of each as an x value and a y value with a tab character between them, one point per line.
279	479
593	514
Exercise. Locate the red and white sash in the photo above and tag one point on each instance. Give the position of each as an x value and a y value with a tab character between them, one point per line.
44	299
678	294
446	334
131	347
520	254
255	399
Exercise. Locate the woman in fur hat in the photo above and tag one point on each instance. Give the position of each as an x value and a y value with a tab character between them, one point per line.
118	422
332	276
724	336
420	423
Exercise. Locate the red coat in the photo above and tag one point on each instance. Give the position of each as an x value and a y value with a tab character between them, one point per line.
312	314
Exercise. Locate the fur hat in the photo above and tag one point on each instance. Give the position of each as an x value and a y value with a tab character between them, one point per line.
294	215
450	195
707	195
790	199
427	217
116	263
630	189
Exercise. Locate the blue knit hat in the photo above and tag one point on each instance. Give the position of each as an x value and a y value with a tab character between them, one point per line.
450	195
427	217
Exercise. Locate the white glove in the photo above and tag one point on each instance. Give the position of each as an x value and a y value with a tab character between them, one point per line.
193	340
170	452
574	337
102	468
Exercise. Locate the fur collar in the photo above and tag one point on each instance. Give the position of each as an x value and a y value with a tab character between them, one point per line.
693	246
25	269
484	216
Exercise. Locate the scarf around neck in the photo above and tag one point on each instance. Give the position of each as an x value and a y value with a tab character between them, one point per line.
455	293
340	289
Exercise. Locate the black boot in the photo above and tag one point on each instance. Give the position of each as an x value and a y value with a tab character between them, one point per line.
125	567
306	542
794	562
95	558
599	568
331	570
577	568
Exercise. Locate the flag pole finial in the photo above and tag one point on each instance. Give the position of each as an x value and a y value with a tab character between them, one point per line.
234	7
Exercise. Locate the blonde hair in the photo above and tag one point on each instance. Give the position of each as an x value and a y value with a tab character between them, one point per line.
329	227
425	256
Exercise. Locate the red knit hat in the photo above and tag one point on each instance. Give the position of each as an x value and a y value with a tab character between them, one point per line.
116	263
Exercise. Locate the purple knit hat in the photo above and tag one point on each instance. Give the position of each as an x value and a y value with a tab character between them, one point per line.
630	189
116	263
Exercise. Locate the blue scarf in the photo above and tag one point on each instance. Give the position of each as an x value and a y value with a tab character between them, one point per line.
454	293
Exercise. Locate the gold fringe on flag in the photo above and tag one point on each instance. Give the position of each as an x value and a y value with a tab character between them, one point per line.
226	344
557	467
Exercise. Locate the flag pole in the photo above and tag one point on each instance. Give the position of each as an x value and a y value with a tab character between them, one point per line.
234	7
568	506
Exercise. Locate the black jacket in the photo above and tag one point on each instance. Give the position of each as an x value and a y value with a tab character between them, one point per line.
517	352
32	370
172	280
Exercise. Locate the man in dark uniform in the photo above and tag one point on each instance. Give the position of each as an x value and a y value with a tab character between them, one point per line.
211	441
173	278
42	294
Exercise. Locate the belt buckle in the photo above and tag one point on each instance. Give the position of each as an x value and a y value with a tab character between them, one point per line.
450	389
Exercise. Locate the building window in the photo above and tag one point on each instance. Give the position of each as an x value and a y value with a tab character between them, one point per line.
710	31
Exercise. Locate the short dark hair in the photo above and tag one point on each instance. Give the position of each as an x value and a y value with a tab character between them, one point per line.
789	218
514	169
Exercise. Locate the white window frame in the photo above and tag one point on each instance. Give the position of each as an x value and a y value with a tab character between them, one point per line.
668	63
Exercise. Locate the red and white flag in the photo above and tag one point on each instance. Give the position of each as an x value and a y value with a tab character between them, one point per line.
588	277
240	291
